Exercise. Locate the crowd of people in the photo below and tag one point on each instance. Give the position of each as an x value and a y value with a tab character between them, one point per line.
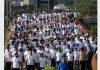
54	39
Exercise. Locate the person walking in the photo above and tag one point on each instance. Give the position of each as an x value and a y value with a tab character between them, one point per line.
16	62
30	61
7	57
82	59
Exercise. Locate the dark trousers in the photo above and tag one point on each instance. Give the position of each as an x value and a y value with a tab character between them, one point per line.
82	65
37	66
8	66
15	68
53	62
76	65
41	68
70	65
30	67
86	65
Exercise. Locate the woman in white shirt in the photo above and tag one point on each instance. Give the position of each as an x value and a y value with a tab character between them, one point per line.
30	61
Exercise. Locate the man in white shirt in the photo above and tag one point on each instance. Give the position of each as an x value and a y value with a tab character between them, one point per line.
16	62
59	56
7	58
26	52
71	43
21	57
36	59
30	61
43	61
53	55
48	54
75	54
70	59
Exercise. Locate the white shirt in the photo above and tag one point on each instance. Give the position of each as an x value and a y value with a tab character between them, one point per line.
26	53
81	44
36	57
48	58
21	54
53	53
67	50
8	56
75	53
71	43
16	63
70	56
30	60
59	56
64	48
42	62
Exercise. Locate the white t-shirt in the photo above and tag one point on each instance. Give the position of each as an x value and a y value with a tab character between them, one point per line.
26	53
81	45
63	48
67	50
48	58
71	43
59	56
16	63
30	60
70	56
21	54
42	62
7	56
53	53
24	46
36	57
75	53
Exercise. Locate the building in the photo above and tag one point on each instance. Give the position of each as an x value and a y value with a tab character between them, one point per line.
16	2
30	2
49	3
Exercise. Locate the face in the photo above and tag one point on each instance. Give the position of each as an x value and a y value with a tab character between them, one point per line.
64	59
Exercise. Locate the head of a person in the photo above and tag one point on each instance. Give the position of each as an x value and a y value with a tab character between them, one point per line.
41	55
16	55
21	50
30	52
8	47
64	59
